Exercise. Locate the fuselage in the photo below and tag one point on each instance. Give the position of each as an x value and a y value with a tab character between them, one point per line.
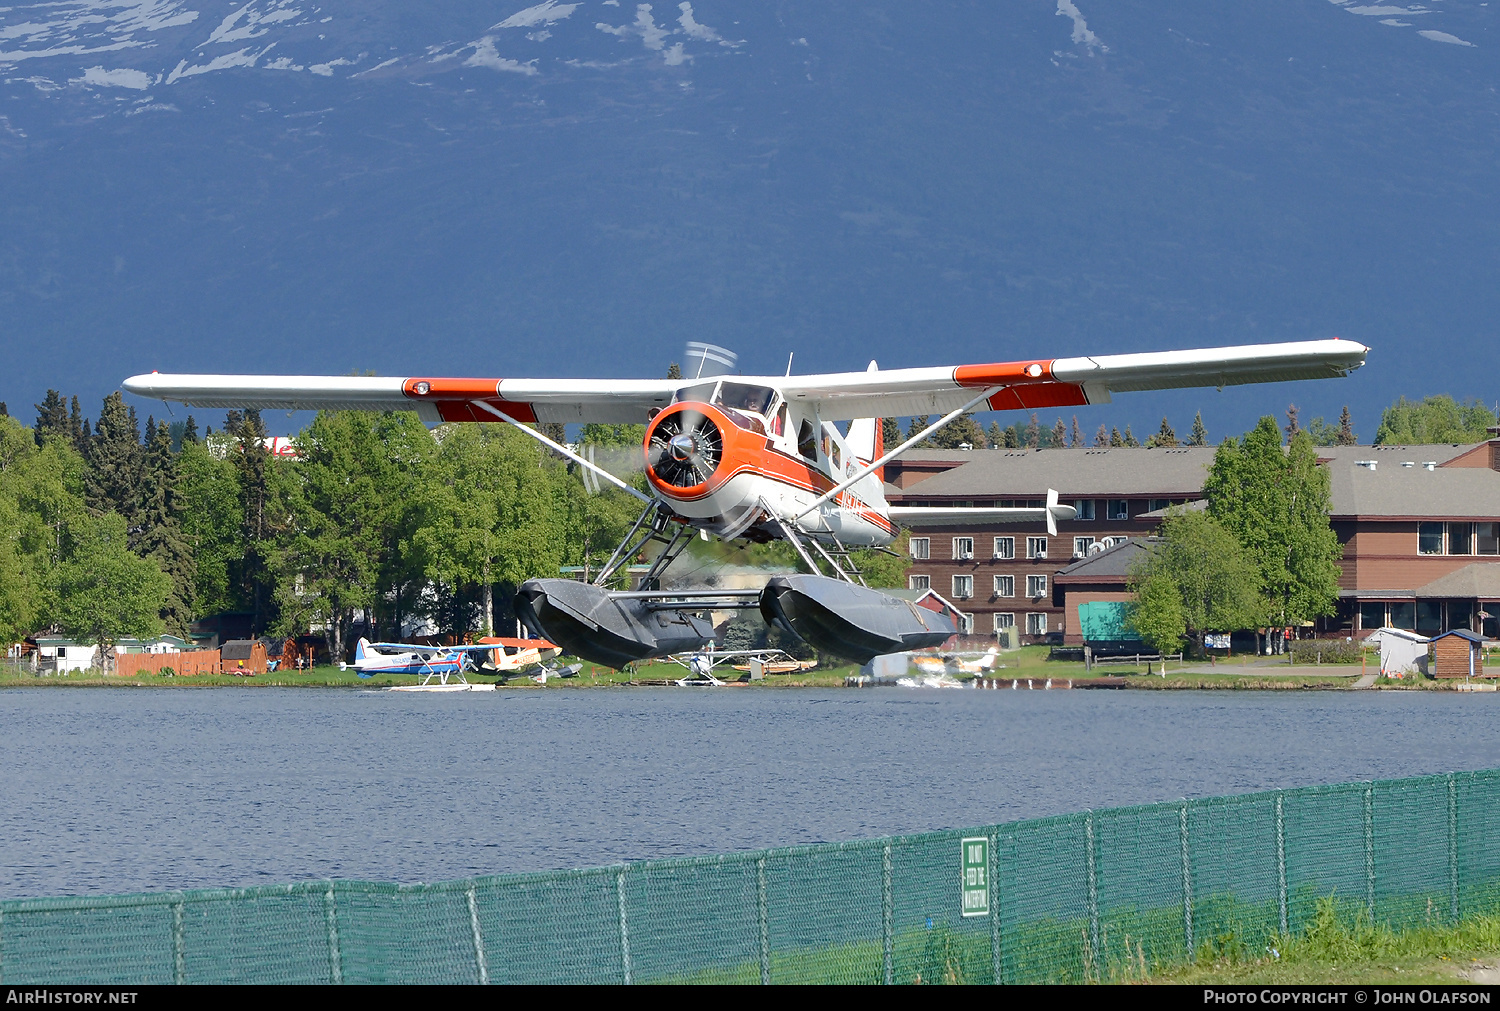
726	455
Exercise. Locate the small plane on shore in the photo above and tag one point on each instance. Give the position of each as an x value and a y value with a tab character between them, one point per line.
762	458
955	665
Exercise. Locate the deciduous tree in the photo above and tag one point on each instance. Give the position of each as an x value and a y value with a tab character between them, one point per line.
1196	579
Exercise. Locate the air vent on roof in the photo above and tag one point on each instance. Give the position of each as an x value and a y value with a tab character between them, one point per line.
1407	463
1367	464
1429	465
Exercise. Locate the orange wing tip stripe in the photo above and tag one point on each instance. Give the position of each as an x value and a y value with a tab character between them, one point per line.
1003	373
454	398
451	389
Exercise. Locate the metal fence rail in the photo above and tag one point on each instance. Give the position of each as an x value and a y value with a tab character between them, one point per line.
1069	898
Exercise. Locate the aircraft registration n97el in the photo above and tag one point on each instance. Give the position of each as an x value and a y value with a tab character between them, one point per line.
759	457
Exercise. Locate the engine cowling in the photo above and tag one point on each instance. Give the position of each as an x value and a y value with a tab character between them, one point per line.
685	448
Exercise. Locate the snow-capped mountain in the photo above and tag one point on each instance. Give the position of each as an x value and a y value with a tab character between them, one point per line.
577	188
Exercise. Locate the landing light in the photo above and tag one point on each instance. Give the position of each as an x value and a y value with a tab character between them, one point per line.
423	388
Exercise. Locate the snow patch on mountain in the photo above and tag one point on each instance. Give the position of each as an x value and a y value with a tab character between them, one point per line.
486	56
1082	36
1445	37
241	58
252	21
548	13
653	36
124	77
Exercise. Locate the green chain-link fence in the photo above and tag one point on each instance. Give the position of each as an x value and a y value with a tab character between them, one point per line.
1060	899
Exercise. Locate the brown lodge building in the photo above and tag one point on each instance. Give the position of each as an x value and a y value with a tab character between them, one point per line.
1420	526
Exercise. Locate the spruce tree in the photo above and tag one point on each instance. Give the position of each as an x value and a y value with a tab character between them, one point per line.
190	430
1100	438
1077	441
918	422
1059	434
51	417
890	434
1199	436
674	371
1012	440
1292	428
1164	436
996	438
1346	436
161	538
1033	433
77	427
1130	439
114	462
252	462
1114	438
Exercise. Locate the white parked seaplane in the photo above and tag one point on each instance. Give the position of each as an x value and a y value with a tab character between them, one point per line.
760	457
441	668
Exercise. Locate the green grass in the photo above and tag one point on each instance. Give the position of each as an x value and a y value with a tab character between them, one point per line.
1342	945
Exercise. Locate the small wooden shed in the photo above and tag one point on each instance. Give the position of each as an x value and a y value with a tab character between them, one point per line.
243	656
1458	654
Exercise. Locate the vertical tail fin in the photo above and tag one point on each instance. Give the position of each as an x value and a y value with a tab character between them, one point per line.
360	648
864	436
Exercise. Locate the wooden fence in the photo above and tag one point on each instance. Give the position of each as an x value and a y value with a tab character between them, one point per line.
184	664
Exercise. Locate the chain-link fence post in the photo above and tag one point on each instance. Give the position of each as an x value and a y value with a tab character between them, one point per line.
887	913
994	883
624	926
1281	864
763	920
1370	850
481	962
179	968
1088	836
1187	881
1452	848
335	960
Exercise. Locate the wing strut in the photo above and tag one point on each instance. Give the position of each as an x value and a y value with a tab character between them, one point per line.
564	450
870	468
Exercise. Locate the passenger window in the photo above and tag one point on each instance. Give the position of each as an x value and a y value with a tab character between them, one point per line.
807	441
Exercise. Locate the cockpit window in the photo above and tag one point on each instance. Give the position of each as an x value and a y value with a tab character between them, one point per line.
703	393
741	397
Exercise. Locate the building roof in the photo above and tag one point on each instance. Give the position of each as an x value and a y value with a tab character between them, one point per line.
1104	471
1396	491
1438	453
1479	580
917	596
1110	565
1461	633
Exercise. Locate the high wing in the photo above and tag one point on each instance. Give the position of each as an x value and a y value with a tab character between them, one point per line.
967	515
1023	385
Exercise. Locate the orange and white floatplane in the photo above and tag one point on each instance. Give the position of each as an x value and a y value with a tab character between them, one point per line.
761	458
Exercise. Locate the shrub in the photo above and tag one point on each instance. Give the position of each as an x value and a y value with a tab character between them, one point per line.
1313	651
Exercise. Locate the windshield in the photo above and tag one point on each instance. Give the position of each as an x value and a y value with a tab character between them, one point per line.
700	394
740	397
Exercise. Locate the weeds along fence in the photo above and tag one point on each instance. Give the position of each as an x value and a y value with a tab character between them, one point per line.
1079	897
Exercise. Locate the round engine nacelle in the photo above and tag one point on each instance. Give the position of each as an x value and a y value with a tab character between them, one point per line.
684	449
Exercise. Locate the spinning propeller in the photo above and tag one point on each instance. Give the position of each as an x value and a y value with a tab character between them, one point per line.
685	449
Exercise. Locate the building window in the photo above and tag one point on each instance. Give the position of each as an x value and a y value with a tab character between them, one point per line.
1160	503
1372	614
1005	586
965	624
1403	615
1119	509
921	548
1036	586
1036	547
1005	547
1085	507
1430	538
1004	620
1460	538
919	582
1489	538
1081	546
963	548
963	586
1036	624
1429	616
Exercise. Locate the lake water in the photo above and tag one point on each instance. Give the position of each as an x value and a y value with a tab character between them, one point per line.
143	790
